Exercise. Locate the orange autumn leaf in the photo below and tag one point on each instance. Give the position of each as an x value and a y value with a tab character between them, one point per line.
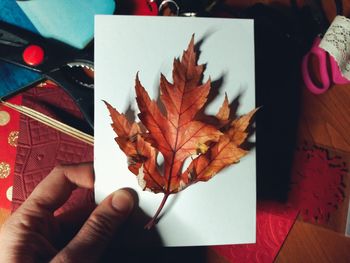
177	134
139	152
223	153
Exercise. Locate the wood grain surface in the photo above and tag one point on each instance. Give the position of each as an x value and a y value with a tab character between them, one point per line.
325	118
313	244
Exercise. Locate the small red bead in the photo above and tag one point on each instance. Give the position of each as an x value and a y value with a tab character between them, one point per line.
33	55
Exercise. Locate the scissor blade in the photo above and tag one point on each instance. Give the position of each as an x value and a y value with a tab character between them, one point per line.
7	38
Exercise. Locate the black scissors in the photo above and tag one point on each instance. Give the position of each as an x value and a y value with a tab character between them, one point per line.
70	68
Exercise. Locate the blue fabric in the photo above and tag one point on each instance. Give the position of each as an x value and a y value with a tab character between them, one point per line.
11	13
14	78
69	21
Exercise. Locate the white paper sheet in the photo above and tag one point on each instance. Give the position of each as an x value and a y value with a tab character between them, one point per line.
223	210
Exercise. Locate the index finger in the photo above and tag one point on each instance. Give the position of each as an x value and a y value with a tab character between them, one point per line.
53	191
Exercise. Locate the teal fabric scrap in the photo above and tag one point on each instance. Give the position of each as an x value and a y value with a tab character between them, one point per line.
69	21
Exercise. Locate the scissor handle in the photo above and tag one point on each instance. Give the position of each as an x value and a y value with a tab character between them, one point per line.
14	41
321	56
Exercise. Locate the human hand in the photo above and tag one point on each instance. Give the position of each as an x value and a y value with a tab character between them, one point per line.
32	231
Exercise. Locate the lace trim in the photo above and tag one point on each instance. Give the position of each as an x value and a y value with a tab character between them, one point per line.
336	42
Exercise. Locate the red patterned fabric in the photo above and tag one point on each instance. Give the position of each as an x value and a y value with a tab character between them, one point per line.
273	224
9	126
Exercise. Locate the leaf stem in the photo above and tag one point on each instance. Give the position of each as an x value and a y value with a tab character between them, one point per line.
153	221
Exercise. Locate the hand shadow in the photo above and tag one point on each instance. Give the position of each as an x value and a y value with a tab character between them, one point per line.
134	244
133	237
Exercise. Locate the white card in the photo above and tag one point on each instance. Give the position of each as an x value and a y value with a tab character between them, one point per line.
222	210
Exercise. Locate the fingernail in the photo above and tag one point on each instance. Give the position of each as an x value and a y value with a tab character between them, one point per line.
122	201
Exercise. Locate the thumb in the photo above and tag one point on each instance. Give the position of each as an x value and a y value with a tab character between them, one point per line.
99	229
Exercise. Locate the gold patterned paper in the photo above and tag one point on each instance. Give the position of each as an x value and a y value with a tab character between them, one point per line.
4	118
4	170
13	138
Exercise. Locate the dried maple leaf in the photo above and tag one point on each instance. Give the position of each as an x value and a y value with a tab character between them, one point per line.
177	134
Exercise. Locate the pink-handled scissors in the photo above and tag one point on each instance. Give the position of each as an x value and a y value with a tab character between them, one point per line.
328	76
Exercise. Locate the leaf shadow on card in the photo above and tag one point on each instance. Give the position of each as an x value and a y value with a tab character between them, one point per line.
199	42
130	113
216	90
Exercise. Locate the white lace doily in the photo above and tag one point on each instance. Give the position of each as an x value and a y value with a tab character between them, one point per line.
336	42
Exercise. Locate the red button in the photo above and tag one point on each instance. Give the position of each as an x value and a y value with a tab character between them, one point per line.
33	55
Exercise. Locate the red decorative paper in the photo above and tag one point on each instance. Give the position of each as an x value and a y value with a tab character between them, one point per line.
273	223
41	148
317	187
8	142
